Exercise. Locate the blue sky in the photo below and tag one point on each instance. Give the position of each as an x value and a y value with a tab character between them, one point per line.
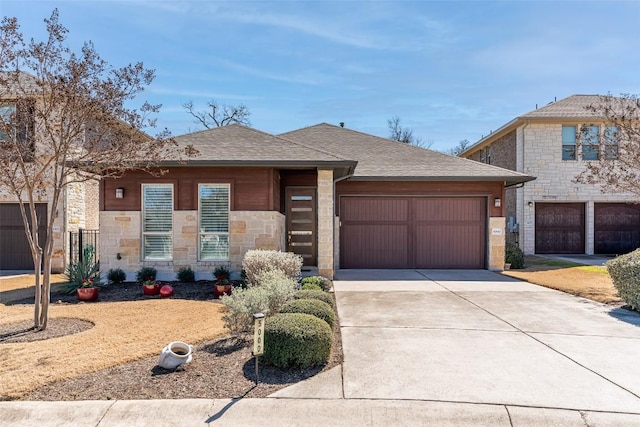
451	70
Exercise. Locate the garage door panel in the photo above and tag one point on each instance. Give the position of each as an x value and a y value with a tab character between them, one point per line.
426	232
375	245
560	228
616	228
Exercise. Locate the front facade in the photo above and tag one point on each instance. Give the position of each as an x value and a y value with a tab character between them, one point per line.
339	198
554	214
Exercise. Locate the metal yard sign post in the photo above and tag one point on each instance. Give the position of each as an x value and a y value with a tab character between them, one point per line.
258	338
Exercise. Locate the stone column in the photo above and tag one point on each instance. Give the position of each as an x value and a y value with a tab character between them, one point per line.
325	222
496	243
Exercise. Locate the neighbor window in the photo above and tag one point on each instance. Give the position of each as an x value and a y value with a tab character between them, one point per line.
590	142
213	212
7	118
610	138
157	222
568	142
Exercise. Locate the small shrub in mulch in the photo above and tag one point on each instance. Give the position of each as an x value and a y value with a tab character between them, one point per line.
315	294
625	273
315	307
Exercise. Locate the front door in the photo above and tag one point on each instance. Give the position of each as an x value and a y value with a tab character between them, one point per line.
301	223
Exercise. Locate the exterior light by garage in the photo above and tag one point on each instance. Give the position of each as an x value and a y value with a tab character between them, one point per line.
530	204
497	202
120	193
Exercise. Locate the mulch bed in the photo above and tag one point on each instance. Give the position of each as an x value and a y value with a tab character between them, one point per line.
224	368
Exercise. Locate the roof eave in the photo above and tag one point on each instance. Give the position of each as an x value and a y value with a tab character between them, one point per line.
499	133
508	180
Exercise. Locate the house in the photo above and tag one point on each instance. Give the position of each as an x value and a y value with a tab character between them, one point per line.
77	207
554	214
338	197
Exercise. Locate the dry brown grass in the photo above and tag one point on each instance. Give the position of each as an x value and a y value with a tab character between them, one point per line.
26	281
592	282
123	332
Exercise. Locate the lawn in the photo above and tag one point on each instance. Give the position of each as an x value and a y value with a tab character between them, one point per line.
122	332
592	282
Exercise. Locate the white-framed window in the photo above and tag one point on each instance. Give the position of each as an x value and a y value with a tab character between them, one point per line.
610	139
157	222
568	143
7	116
590	142
213	221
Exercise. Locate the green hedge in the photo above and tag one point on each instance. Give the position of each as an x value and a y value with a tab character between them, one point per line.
625	272
296	339
314	294
315	307
322	282
311	287
514	256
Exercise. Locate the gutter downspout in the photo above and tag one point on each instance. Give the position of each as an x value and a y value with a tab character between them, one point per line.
522	236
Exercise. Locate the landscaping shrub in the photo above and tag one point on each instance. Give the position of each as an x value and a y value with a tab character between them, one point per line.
186	274
256	262
221	272
82	271
322	282
625	272
146	273
314	294
514	256
314	307
311	287
241	305
296	339
275	291
116	275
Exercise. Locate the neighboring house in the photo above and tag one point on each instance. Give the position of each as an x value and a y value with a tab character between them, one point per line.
554	214
337	197
77	208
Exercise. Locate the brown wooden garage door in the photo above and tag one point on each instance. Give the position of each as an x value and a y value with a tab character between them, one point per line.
14	248
412	232
616	228
559	228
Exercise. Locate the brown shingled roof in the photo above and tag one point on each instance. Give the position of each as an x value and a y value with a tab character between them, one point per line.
574	106
380	158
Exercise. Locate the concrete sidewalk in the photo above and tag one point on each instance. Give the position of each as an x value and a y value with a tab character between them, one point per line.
428	347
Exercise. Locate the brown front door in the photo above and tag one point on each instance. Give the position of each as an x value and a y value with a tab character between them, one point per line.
559	228
301	223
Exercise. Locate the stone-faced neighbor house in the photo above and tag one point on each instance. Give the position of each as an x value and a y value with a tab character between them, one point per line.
553	214
339	198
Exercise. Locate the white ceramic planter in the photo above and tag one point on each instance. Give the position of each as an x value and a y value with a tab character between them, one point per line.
176	353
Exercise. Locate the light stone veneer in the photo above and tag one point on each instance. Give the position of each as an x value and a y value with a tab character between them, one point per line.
496	235
325	223
539	149
120	233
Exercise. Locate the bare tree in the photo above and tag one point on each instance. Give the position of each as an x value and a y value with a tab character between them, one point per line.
616	148
462	145
219	114
402	134
64	121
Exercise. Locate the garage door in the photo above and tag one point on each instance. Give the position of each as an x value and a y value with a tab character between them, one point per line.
559	228
412	232
14	248
616	228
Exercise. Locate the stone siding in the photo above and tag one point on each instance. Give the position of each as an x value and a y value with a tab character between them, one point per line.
496	234
120	236
541	148
326	218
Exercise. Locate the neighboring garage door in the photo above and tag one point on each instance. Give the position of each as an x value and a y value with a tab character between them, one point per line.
412	232
616	228
14	247
559	228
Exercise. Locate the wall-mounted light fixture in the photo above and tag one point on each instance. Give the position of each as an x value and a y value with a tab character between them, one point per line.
497	202
530	204
120	193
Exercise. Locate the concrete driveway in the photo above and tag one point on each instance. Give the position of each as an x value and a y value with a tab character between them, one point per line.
478	337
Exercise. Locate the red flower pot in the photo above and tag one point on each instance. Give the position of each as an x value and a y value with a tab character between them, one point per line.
87	294
151	289
166	291
219	290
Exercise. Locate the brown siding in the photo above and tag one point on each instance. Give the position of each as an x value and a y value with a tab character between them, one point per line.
418	188
251	188
277	192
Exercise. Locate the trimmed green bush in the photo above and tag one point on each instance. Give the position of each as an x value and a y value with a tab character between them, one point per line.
315	307
311	287
146	273
296	339
314	294
186	274
116	275
513	255
322	282
625	272
256	262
